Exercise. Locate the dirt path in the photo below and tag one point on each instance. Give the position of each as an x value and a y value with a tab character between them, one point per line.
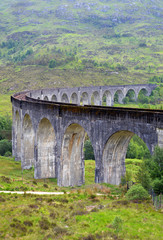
41	193
35	193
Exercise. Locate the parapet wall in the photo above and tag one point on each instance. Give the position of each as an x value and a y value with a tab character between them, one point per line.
95	95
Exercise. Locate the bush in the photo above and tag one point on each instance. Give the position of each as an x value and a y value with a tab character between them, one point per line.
8	154
117	224
5	146
137	192
52	64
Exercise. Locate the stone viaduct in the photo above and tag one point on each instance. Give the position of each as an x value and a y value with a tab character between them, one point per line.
95	95
50	135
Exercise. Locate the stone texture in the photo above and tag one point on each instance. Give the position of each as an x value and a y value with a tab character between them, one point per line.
50	135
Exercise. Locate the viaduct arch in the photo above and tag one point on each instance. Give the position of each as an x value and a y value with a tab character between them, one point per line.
50	135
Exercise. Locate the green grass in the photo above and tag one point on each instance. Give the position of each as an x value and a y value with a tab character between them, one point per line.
89	171
5	105
19	180
140	105
71	217
25	179
79	215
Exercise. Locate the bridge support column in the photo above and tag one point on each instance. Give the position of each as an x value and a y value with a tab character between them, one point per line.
79	96
100	96
72	157
160	137
59	96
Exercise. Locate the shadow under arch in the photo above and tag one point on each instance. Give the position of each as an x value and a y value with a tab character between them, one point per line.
74	98
107	98
17	136
84	99
46	98
114	154
95	98
28	139
54	98
64	98
45	166
118	96
72	168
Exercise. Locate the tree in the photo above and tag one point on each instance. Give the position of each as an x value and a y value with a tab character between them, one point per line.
88	150
143	176
126	100
158	186
131	96
155	165
137	149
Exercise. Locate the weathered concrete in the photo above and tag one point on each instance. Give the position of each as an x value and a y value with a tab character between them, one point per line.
50	135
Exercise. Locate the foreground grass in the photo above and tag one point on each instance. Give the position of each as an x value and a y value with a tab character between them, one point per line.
81	214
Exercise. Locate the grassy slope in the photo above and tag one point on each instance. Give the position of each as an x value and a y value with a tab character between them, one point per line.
5	105
79	215
108	32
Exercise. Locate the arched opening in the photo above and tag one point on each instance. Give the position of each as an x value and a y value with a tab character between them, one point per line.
114	155
74	98
107	99
54	98
95	99
143	96
118	97
143	91
89	161
72	169
38	98
27	143
17	137
46	98
130	97
46	151
64	98
84	100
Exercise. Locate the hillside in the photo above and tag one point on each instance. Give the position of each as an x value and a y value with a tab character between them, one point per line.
51	43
